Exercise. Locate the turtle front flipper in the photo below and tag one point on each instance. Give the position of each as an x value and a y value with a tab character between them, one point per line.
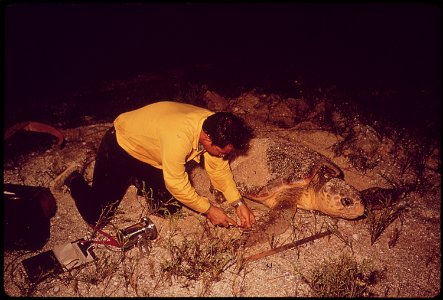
271	195
266	198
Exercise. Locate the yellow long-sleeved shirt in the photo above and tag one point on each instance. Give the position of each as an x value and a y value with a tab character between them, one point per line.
165	135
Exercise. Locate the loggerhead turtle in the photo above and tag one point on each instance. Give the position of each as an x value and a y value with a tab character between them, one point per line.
285	176
282	175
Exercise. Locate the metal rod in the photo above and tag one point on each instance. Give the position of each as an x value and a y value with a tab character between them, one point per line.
286	247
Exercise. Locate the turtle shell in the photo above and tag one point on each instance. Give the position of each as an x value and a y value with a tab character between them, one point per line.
272	164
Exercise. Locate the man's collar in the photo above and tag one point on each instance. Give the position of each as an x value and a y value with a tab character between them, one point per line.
200	147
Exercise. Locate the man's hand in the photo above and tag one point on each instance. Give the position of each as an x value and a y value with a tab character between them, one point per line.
218	217
247	218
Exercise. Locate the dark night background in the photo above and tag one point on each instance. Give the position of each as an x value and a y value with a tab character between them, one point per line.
51	48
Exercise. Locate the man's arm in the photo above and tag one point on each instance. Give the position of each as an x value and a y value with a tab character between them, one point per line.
222	179
177	180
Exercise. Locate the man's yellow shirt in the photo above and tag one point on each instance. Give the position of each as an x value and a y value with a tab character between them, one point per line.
165	135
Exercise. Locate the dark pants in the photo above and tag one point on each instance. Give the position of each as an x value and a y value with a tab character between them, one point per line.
115	170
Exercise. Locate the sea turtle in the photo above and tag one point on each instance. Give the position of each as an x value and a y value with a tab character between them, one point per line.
281	174
285	176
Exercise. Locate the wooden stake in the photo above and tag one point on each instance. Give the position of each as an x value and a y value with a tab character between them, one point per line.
286	247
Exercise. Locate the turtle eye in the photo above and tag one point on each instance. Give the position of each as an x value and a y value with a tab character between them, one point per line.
346	201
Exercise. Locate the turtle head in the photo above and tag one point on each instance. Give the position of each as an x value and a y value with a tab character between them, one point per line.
338	199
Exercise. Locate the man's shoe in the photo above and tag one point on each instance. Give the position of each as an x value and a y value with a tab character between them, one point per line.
66	176
68	181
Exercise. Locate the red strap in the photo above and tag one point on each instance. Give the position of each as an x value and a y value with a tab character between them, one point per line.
111	241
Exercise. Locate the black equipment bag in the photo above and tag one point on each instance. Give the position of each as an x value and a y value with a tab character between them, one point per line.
27	211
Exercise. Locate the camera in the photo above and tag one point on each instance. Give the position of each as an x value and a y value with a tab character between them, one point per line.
133	235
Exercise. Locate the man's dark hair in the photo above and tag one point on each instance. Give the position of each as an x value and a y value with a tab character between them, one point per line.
225	128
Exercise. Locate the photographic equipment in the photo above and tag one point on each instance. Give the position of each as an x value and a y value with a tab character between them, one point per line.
137	234
60	259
